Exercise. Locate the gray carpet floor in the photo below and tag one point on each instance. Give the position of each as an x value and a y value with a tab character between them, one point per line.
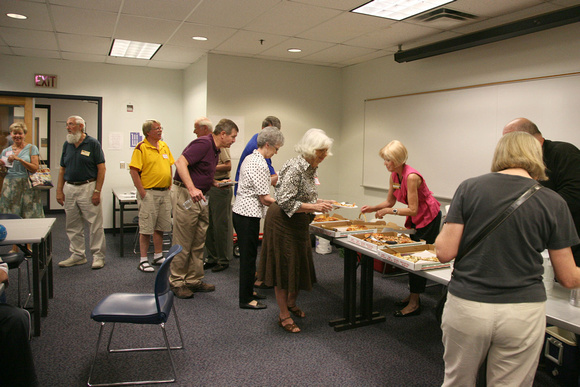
228	346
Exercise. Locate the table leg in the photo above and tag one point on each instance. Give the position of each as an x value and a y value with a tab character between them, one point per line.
114	214
121	228
49	265
350	319
36	288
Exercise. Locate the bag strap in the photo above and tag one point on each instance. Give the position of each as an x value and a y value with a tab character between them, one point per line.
499	219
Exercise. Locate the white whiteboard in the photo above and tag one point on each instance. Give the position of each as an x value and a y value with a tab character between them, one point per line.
451	134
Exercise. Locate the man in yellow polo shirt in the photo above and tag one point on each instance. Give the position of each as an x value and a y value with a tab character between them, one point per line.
150	169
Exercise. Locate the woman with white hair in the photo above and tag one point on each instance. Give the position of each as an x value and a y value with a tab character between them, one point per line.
286	256
251	202
496	302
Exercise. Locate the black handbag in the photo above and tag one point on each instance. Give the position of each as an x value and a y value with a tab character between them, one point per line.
482	235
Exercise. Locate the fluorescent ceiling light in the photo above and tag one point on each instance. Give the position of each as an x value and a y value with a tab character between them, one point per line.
132	49
294	50
202	38
16	16
398	9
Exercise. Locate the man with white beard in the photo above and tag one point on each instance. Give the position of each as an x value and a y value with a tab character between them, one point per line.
81	177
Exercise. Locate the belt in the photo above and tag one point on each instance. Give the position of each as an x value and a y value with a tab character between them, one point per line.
157	188
81	182
179	184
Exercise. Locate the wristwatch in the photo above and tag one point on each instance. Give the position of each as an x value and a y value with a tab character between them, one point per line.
395	211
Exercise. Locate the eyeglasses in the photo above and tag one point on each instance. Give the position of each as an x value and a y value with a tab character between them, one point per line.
159	128
71	124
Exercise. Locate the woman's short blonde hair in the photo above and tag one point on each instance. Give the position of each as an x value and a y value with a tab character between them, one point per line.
519	150
395	151
18	126
313	140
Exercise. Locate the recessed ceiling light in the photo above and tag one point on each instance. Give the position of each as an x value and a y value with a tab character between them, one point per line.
16	16
132	49
398	9
202	38
294	50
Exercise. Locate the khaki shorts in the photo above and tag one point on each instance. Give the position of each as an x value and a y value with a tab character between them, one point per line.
154	212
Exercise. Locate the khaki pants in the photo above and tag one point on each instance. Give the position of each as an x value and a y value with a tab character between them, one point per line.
189	229
80	209
511	335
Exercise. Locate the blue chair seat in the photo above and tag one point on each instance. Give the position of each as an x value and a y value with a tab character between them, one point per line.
133	308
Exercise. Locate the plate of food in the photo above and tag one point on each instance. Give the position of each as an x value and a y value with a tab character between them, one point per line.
343	204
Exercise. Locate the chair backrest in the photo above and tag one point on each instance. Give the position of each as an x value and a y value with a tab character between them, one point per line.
9	216
162	287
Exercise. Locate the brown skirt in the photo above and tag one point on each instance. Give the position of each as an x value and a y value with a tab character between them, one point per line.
286	254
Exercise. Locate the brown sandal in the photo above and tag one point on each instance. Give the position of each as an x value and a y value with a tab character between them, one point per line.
296	311
290	328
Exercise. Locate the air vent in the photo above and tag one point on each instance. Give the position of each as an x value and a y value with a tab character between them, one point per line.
441	14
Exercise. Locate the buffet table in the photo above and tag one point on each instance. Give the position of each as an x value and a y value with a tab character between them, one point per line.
559	312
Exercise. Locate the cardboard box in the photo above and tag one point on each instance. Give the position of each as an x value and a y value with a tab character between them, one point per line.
388	253
561	355
339	229
358	239
337	216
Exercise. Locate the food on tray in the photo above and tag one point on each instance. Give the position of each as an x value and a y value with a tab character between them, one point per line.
343	204
355	227
325	218
382	239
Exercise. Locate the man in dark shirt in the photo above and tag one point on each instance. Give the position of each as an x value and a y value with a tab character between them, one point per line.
562	161
82	168
194	176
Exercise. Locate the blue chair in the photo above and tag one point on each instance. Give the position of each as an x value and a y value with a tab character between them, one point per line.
136	308
15	259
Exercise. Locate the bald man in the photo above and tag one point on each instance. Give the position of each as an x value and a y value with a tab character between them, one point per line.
562	161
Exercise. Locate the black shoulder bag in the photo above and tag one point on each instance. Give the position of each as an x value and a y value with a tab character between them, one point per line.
482	235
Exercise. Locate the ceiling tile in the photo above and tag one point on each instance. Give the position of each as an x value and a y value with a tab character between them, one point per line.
308	47
247	42
343	5
345	27
28	38
83	21
231	13
144	29
84	57
215	36
83	44
100	5
36	12
178	54
166	9
36	53
290	19
127	61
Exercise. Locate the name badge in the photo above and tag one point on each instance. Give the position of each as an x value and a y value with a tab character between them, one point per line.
396	186
165	156
316	181
85	153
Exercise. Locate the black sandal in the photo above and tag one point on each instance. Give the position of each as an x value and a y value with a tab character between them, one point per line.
296	311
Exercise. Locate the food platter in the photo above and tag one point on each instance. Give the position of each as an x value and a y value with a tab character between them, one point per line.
226	183
422	257
373	241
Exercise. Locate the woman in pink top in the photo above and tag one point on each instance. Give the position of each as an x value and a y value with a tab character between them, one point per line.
423	213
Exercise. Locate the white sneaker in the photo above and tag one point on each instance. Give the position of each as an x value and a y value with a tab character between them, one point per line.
72	261
98	264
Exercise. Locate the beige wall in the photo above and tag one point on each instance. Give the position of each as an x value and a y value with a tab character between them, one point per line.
154	93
